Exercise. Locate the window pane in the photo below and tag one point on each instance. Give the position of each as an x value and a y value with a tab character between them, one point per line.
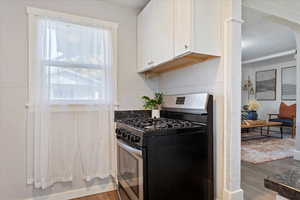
75	44
76	58
76	84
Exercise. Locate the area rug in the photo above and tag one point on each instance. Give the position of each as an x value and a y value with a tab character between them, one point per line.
267	149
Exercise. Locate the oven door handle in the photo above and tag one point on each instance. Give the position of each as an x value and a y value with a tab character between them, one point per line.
130	149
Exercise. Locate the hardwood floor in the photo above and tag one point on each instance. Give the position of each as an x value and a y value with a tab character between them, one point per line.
253	177
104	196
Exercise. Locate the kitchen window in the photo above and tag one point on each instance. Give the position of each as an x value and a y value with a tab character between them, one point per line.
72	61
72	58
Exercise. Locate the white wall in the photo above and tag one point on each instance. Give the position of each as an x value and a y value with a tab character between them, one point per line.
203	77
250	70
13	81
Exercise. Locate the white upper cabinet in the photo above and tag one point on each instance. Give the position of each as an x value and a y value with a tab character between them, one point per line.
145	32
155	34
163	35
182	26
178	33
206	27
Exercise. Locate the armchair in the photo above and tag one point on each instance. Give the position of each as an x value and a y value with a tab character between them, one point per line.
286	123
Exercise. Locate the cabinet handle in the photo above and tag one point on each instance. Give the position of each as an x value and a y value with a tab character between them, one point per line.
150	63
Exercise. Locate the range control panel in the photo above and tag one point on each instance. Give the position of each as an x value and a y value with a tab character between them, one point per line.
180	100
187	101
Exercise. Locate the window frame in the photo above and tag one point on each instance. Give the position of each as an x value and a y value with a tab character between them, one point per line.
34	13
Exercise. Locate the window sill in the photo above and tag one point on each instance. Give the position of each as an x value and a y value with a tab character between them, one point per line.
73	107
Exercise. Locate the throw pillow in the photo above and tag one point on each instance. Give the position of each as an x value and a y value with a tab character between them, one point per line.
287	112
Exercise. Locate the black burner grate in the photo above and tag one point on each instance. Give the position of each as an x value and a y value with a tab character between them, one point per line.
160	123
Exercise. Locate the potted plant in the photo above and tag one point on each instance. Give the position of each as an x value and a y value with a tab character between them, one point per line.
154	104
253	106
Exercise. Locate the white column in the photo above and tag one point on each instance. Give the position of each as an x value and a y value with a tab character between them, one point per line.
232	100
297	153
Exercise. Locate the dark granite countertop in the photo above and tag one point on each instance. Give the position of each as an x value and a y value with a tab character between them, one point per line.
286	184
125	114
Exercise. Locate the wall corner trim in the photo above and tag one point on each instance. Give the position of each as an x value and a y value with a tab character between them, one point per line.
71	194
233	195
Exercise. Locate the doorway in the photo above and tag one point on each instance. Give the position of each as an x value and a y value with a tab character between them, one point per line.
268	109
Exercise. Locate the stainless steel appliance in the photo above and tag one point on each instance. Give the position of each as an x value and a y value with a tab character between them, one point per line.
170	157
130	171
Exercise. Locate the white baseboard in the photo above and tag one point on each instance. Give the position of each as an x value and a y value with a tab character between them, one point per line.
233	195
72	194
297	155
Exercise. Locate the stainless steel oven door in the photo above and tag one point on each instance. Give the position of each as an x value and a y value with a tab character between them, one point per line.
130	171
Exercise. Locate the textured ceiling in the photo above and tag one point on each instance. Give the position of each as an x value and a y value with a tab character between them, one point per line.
261	37
136	4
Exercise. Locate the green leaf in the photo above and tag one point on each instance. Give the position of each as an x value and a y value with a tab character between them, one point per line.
159	98
153	103
146	98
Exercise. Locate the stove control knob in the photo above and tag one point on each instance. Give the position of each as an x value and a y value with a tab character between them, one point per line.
136	139
118	132
132	139
124	134
128	137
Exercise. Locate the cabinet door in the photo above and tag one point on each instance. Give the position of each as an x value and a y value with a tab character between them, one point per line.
140	42
183	26
163	31
145	28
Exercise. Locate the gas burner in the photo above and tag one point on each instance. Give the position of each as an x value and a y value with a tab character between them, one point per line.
160	123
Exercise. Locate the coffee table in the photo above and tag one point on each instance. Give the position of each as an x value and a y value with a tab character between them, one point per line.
261	126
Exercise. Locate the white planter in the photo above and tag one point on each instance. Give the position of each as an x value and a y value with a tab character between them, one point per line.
156	113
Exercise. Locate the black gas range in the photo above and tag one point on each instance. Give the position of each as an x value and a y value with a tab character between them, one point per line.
169	157
135	131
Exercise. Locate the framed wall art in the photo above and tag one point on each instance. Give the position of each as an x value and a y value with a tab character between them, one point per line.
265	82
288	83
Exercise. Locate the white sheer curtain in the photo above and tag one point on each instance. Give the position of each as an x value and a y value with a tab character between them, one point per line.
70	101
